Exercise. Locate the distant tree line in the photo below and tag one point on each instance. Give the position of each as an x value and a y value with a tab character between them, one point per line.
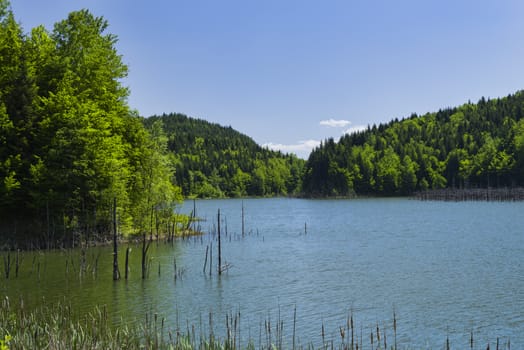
472	146
69	144
213	161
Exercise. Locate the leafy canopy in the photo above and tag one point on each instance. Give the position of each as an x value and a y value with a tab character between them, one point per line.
69	143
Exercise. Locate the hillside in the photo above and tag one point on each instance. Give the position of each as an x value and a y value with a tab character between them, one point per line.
216	161
472	146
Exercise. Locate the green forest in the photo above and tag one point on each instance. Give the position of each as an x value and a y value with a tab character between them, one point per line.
70	147
212	161
472	146
476	145
74	155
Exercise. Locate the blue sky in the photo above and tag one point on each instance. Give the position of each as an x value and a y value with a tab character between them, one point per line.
291	73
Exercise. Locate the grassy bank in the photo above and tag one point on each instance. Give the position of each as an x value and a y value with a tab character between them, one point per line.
57	327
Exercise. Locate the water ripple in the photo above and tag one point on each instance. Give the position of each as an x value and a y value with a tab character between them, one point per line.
445	269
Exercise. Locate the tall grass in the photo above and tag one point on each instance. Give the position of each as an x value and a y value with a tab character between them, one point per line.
57	327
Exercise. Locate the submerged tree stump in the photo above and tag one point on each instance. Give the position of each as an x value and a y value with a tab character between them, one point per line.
116	272
219	246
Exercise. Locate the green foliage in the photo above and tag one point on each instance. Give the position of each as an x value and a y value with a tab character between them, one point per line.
212	161
474	145
152	189
4	343
518	146
69	145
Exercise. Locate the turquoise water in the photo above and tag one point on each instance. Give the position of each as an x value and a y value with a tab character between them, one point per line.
445	269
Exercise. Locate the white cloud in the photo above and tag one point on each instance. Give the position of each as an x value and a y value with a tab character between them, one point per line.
355	128
333	123
301	149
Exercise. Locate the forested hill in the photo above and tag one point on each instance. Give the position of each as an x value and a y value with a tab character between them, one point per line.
474	145
217	161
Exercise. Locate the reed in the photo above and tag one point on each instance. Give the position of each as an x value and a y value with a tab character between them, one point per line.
55	327
51	326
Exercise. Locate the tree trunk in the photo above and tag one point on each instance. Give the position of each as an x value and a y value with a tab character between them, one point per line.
219	246
116	273
243	232
145	247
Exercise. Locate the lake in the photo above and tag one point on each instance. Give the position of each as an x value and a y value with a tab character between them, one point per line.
445	269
